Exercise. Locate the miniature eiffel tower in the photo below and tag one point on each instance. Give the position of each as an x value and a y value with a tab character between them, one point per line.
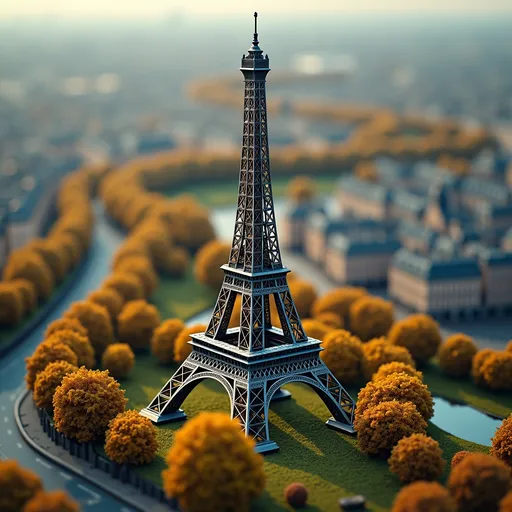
253	361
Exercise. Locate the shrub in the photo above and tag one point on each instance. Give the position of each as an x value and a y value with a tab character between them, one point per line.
508	348
419	334
85	402
424	497
55	501
301	189
343	355
110	299
338	301
29	265
46	353
496	371
209	259
304	295
143	269
155	237
379	351
79	344
331	320
456	354
502	442
395	367
296	495
399	387
199	230
315	329
28	294
118	359
206	462
131	439
131	248
506	503
128	285
478	361
380	427
11	304
371	317
70	246
417	457
48	380
479	482
136	323
459	457
176	263
181	347
17	486
53	256
164	337
96	320
65	324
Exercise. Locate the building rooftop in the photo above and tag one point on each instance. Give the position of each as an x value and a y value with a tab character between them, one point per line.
410	201
304	211
493	192
432	268
416	231
365	189
364	242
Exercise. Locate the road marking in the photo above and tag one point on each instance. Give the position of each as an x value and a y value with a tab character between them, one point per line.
65	475
6	419
43	463
9	432
96	497
19	445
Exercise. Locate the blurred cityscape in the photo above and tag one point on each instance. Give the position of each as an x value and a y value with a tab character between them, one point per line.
70	90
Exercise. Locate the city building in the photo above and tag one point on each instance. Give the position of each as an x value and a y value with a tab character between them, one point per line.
293	227
496	268
360	258
364	199
447	289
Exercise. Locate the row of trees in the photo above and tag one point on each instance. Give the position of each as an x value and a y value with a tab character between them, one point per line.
33	271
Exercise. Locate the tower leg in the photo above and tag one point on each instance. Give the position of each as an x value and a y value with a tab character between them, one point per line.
250	408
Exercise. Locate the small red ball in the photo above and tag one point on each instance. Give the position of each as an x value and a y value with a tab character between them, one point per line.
296	495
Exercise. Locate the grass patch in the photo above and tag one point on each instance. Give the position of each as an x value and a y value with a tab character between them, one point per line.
182	297
327	462
467	392
224	193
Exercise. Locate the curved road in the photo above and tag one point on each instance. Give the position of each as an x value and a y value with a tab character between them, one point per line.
12	372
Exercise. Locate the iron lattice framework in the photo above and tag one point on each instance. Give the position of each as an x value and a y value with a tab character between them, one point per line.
254	360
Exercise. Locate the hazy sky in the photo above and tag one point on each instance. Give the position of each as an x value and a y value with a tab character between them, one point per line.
131	8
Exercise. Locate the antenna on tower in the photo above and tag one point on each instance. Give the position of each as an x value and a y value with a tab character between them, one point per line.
255	39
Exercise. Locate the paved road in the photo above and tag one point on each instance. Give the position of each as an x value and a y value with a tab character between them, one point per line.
12	371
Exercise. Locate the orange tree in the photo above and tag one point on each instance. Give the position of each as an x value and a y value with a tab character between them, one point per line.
399	387
65	324
54	501
396	367
338	301
110	299
11	305
164	337
209	259
181	346
48	380
502	442
136	323
479	482
381	426
419	334
131	439
496	371
424	496
379	351
212	464
304	295
371	317
301	189
17	486
417	457
78	343
477	365
96	320
85	402
456	354
118	359
343	355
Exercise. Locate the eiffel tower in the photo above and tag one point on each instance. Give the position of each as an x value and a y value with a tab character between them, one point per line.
254	360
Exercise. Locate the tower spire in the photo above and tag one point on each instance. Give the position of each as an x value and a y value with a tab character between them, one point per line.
255	41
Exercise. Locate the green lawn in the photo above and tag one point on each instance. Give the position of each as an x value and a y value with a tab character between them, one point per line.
183	297
224	192
327	462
